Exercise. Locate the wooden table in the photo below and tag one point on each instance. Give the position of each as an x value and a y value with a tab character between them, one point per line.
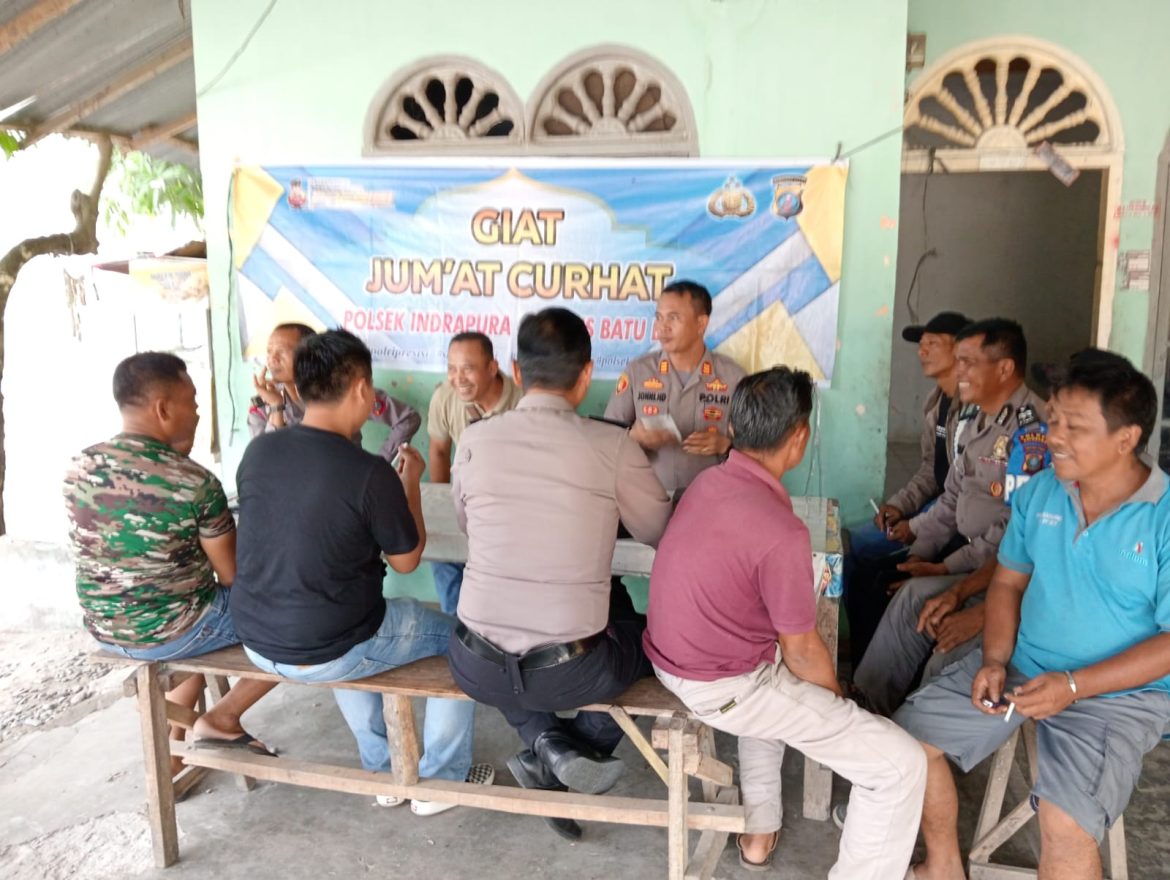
446	543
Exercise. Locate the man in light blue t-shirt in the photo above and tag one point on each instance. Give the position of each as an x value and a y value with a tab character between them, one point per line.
1077	633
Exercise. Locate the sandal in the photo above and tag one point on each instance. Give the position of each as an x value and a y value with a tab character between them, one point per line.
247	742
747	863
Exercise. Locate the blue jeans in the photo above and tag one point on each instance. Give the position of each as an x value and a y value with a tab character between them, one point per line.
448	582
410	631
212	631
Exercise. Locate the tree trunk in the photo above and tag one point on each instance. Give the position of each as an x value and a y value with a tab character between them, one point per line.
82	240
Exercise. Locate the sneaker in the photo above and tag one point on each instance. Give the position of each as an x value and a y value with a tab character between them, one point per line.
388	800
839	813
479	774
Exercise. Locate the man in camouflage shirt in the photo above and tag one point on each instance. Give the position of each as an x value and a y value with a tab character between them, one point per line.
151	533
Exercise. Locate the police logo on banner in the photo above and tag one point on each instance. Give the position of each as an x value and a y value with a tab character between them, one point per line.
788	195
1029	455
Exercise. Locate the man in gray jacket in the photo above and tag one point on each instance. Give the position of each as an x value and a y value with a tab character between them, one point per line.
1001	441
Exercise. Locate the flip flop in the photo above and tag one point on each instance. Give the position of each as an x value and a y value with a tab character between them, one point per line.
244	741
747	863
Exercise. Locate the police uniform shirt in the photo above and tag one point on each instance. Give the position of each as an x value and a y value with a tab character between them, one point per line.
539	492
651	386
937	447
997	453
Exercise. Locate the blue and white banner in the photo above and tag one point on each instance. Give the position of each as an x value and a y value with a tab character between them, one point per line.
407	254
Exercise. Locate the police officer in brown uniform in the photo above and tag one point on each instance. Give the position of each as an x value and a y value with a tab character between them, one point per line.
686	381
963	529
539	492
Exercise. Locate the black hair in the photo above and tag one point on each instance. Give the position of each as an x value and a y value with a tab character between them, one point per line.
1127	396
1002	334
552	348
768	406
699	295
325	364
140	374
303	331
471	336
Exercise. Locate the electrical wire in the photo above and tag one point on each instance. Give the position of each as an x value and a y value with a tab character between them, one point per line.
240	51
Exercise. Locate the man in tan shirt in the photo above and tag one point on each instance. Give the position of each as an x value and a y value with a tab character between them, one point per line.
539	492
475	389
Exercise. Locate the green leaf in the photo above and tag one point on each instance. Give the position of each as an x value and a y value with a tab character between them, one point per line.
10	143
140	185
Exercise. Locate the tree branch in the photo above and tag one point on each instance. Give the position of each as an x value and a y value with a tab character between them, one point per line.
82	240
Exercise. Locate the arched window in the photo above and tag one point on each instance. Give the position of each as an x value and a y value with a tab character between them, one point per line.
447	104
611	101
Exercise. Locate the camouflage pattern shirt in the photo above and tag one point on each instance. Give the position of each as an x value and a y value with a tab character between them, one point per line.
137	509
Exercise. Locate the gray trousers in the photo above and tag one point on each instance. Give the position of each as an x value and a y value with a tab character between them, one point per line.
769	708
889	670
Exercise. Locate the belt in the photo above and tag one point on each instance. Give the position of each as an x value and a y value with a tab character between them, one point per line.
537	658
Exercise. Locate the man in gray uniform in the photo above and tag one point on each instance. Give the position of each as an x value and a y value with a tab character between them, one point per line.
1001	442
685	381
539	492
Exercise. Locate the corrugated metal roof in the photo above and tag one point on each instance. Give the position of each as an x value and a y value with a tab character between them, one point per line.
117	66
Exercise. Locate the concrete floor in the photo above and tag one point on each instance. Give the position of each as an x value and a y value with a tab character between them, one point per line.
71	805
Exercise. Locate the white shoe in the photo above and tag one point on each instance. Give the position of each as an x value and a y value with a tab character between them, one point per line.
388	800
479	774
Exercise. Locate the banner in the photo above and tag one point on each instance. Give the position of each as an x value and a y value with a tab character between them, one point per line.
406	255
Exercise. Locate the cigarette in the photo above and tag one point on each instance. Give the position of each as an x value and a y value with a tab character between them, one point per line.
1008	716
873	504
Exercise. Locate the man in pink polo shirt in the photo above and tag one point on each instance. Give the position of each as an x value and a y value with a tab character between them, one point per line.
722	595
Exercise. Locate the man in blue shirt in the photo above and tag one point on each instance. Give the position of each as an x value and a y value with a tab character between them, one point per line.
1077	633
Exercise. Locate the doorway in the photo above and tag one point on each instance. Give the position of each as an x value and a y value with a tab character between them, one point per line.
1011	244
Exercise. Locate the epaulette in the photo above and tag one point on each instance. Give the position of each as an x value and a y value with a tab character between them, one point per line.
1004	415
1026	415
969	411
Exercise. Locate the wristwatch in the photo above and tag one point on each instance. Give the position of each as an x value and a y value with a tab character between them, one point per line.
276	407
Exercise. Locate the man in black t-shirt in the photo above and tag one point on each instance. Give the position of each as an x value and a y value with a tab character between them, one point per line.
318	516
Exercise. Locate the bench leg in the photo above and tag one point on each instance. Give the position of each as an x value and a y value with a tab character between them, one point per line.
1116	862
711	843
218	686
398	711
156	749
677	792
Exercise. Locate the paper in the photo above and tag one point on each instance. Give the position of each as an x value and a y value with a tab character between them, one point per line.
664	422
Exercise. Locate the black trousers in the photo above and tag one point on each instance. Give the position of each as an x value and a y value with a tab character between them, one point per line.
529	699
867	595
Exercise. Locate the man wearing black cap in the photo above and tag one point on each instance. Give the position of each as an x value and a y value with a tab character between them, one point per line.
873	547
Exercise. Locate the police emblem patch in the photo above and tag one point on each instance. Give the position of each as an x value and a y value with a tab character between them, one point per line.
623	383
788	195
996	489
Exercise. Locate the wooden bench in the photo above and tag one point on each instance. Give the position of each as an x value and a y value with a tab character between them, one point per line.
690	748
994	828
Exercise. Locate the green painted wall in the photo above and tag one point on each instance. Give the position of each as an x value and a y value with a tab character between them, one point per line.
765	79
1126	45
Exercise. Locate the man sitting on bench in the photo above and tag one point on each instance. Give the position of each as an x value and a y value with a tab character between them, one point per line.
317	516
539	491
720	596
151	533
1077	634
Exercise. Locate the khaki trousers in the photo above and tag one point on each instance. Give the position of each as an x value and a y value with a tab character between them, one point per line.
769	708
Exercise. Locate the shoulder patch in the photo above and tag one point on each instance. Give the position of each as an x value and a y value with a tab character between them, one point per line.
623	383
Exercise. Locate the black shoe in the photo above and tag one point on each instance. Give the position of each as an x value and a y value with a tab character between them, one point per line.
531	772
576	764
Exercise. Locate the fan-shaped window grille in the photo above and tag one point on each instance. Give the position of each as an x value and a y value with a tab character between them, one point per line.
449	105
611	100
1010	94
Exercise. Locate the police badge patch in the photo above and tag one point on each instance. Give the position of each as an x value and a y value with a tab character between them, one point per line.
623	383
1029	455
